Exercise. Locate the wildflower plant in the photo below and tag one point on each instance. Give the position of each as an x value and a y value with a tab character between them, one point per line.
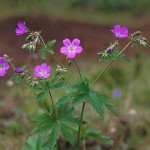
60	117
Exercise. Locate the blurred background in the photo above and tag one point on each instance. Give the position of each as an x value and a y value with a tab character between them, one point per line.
126	84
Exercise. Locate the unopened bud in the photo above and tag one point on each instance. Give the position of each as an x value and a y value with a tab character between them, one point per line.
25	46
138	33
69	63
22	75
143	43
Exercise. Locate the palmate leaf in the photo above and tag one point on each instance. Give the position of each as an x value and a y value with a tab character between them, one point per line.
58	85
41	95
123	58
64	122
54	136
98	101
47	49
79	93
16	78
65	99
67	133
37	142
43	123
114	55
80	97
90	132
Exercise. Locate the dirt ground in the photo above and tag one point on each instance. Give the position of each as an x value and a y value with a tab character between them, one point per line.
94	37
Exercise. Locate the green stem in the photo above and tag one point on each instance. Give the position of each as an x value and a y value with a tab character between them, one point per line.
83	106
52	103
81	117
36	95
56	58
30	88
78	69
53	112
84	143
102	71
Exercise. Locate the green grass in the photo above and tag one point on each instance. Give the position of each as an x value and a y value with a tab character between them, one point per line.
61	9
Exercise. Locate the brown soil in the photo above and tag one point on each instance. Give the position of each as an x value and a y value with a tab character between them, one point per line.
94	37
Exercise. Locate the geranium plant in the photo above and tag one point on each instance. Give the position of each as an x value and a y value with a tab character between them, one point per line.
59	117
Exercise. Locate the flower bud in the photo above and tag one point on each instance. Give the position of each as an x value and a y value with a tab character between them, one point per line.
18	70
144	43
30	38
22	75
138	33
69	63
25	46
144	39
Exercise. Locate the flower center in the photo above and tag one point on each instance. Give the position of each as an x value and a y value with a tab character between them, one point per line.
43	72
1	66
71	48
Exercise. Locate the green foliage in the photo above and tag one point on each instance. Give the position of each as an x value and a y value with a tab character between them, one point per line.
37	142
46	85
47	49
41	95
90	132
110	5
81	92
109	56
64	121
16	78
98	101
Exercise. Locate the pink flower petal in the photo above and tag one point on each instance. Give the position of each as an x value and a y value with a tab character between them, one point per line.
6	66
71	55
21	25
2	72
117	28
66	42
44	65
46	75
112	31
64	50
124	32
78	49
76	42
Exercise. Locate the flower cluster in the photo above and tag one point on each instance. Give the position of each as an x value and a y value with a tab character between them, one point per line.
4	66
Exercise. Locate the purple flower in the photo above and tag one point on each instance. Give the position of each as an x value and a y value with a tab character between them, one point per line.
18	70
71	48
116	93
42	71
21	28
120	32
3	66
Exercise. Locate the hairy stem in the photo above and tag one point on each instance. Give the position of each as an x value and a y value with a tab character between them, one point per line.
53	111
81	117
52	103
78	69
36	95
103	70
84	143
30	88
82	111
